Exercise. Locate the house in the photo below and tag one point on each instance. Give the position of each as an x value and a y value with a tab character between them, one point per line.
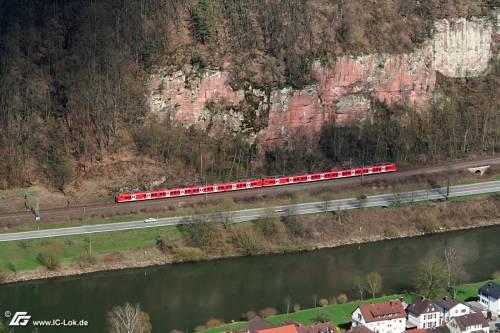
489	296
317	328
449	307
384	317
469	323
291	328
360	329
423	313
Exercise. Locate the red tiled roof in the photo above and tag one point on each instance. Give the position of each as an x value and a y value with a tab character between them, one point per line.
281	329
382	311
360	329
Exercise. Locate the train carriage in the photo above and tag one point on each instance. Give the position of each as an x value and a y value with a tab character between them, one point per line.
255	183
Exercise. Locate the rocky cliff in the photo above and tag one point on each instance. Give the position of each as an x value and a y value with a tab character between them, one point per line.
344	89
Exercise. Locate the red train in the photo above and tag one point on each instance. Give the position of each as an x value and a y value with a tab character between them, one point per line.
243	185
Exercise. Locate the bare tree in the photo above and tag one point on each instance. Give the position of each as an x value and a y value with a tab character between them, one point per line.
430	277
360	287
451	259
128	318
374	283
288	303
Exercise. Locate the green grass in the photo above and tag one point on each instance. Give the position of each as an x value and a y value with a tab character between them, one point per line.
341	313
23	254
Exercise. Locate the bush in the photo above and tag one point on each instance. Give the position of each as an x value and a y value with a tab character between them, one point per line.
332	300
296	307
213	323
342	299
204	234
198	60
12	267
428	225
161	244
323	317
496	275
323	302
3	277
23	244
294	225
86	260
392	231
269	226
50	257
264	313
247	242
185	253
249	315
200	328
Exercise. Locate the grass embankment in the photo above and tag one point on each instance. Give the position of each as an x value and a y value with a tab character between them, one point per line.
341	313
203	241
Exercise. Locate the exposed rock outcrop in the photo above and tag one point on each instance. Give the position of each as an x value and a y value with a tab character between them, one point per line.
345	90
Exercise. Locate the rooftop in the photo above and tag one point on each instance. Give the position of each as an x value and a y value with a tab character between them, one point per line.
471	320
421	305
382	311
490	289
291	328
446	302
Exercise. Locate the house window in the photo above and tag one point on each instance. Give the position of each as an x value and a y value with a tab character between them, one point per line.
359	316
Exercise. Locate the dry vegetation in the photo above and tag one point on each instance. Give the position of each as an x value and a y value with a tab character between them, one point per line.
73	112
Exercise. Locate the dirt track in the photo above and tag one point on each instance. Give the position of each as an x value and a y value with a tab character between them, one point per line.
110	209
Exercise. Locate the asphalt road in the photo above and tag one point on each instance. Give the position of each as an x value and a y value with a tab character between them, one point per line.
382	200
112	209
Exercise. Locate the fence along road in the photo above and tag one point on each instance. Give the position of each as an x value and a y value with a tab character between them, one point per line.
238	216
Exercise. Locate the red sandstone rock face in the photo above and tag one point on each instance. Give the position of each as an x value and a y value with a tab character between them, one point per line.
344	91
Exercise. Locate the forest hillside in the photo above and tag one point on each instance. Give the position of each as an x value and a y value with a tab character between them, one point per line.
105	96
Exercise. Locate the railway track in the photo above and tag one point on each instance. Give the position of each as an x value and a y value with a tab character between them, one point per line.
110	209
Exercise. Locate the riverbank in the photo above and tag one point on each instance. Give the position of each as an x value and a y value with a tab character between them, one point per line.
340	314
206	241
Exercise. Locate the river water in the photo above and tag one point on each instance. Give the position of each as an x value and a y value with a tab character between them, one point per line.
185	295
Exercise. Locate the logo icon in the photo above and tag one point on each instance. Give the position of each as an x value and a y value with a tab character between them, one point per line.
20	319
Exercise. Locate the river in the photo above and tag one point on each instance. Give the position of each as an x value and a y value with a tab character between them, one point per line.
185	295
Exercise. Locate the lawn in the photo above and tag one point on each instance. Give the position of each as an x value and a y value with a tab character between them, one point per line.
341	313
23	255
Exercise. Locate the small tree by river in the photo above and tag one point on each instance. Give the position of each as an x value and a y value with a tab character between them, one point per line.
128	318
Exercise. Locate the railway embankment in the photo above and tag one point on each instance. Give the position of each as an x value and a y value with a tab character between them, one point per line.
75	255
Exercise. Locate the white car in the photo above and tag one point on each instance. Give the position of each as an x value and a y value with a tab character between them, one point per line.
150	219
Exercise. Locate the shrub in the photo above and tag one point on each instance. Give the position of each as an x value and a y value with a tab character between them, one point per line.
342	299
50	257
296	307
3	277
161	244
332	300
428	224
323	317
198	60
249	315
247	242
213	323
200	328
12	267
392	231
269	226
323	302
204	234
23	244
294	226
496	275
264	313
86	260
185	253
